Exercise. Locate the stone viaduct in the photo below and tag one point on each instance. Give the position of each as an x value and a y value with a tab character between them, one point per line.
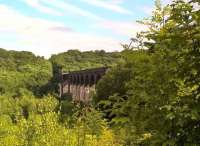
81	84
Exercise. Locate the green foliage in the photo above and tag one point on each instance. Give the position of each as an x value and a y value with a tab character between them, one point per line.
76	60
22	71
32	121
150	96
157	102
90	126
36	122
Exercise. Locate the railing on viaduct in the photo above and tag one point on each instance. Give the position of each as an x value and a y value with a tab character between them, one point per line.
80	84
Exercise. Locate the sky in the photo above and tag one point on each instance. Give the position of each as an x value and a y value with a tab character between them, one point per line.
47	27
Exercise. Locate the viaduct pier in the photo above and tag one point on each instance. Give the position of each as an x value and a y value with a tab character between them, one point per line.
81	84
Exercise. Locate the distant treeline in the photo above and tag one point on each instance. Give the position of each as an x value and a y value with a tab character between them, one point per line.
77	60
24	72
149	97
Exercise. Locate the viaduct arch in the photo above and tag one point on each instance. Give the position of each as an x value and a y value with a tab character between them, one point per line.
80	84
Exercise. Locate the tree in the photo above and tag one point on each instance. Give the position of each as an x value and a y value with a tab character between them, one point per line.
159	105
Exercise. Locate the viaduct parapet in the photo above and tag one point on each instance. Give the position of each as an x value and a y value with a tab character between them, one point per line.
81	84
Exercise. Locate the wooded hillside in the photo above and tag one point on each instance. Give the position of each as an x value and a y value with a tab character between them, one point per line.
76	60
150	96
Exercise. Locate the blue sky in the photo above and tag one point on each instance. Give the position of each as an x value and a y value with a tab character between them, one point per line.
47	27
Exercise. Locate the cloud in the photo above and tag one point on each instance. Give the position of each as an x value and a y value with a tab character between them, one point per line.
115	1
67	7
147	10
58	7
44	37
36	4
110	5
165	2
62	29
196	6
128	29
13	21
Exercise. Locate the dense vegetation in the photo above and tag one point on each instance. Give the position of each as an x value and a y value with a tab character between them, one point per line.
149	97
29	121
29	116
23	72
154	95
76	60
